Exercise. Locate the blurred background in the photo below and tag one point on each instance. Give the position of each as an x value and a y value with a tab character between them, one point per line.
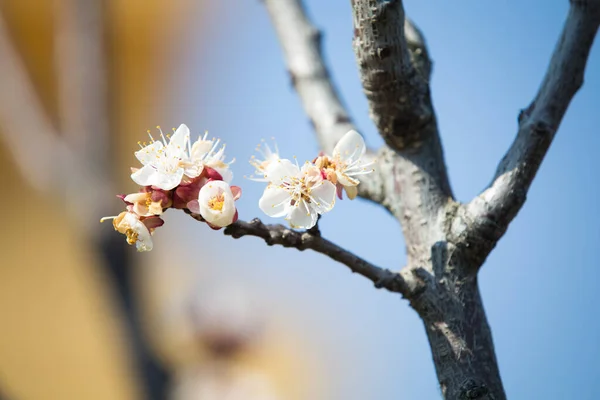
203	316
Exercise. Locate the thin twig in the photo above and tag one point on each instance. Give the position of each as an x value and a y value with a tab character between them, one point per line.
281	235
277	234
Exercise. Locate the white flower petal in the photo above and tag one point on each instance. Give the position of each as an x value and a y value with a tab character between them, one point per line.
144	239
149	154
323	197
275	201
178	143
168	181
302	215
193	171
350	147
145	176
201	148
281	170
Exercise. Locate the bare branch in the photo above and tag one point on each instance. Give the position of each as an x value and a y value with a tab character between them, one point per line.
395	68
488	215
301	45
397	90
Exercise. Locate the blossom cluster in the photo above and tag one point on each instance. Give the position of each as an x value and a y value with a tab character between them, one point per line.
177	174
302	193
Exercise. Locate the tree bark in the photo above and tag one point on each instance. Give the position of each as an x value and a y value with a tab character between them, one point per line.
460	338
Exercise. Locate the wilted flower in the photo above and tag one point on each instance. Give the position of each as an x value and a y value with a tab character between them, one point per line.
149	202
137	230
298	194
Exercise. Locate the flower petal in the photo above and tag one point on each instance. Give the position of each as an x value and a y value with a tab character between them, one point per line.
136	197
300	217
167	181
351	191
144	176
153	222
200	148
150	153
236	191
144	240
178	143
281	170
275	201
350	147
339	190
194	206
323	196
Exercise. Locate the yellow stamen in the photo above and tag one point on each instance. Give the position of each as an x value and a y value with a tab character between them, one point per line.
216	203
132	236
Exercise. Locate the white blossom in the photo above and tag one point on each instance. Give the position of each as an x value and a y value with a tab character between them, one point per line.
217	203
299	195
347	162
206	153
162	160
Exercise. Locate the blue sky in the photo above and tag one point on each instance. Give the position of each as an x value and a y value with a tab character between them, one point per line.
539	285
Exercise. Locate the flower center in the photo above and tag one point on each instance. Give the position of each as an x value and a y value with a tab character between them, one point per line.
299	190
216	203
132	236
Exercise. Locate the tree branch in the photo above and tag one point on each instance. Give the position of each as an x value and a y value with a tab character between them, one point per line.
301	45
398	92
277	234
489	214
395	68
281	235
